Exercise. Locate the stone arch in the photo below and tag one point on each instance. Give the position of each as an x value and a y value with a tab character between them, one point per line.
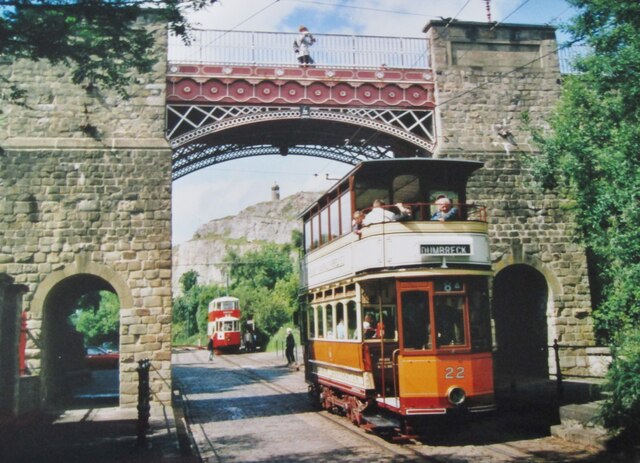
520	296
61	346
523	296
81	266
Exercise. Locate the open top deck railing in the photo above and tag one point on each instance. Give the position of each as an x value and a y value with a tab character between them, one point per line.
276	48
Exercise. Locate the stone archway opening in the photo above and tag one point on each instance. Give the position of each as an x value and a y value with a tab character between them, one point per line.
520	295
80	311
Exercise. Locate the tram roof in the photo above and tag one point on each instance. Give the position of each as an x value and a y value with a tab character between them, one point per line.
462	168
224	298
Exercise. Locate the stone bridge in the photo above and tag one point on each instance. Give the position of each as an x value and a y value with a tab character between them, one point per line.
85	188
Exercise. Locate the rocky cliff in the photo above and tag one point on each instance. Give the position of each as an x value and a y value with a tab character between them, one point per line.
271	221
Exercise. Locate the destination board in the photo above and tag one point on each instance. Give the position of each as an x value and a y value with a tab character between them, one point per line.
445	249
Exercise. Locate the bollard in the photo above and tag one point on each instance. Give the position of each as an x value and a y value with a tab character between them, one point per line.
556	351
144	395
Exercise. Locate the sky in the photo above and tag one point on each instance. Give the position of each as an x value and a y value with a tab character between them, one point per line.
226	188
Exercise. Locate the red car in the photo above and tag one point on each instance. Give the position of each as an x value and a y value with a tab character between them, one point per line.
97	358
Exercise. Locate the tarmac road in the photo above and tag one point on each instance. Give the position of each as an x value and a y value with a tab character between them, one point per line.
252	408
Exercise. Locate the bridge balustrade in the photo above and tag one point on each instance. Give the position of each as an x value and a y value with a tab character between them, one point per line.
276	48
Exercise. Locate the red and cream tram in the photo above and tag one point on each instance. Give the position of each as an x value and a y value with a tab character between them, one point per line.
397	324
224	323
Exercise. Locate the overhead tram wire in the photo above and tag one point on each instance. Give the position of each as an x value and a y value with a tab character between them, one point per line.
501	22
516	69
509	15
446	27
379	10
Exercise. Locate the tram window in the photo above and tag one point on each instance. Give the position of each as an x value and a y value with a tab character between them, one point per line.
324	225
449	318
479	316
341	321
345	212
387	328
352	320
307	235
315	231
416	320
311	322
406	189
321	322
369	188
330	319
334	220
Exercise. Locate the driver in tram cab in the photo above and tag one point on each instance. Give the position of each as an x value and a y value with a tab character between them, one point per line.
367	327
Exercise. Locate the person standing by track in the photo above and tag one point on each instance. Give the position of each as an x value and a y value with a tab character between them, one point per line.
290	344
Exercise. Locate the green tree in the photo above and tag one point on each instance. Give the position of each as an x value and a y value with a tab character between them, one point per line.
591	155
266	284
103	41
263	267
188	280
97	322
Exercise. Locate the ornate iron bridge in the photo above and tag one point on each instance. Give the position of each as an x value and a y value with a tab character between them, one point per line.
349	110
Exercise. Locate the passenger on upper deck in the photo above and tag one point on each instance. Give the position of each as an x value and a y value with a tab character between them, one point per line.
445	211
356	223
378	214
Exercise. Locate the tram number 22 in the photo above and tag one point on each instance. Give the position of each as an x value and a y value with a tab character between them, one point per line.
454	373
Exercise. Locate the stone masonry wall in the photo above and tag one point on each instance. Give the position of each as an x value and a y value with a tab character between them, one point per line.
85	189
487	79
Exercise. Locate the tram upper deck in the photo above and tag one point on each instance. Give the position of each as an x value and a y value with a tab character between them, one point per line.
412	243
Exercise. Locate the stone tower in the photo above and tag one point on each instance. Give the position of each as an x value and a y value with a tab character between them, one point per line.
275	192
487	80
85	205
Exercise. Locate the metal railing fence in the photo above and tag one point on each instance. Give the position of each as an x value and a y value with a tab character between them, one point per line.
276	48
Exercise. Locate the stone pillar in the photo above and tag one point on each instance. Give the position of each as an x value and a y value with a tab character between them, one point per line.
488	79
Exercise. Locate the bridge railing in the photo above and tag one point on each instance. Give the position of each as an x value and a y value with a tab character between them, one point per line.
276	48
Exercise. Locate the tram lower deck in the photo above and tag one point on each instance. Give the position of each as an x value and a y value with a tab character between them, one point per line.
414	347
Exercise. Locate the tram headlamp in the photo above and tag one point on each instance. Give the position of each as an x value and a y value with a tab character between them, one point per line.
456	395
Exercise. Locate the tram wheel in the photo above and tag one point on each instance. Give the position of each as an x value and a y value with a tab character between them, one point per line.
354	411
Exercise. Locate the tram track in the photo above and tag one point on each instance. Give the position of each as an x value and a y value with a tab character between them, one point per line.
412	450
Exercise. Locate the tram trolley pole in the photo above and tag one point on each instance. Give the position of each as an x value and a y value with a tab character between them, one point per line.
144	395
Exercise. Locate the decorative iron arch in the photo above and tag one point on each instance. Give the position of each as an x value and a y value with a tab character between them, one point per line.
216	134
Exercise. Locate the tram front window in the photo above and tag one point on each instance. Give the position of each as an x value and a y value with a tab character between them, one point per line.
449	315
416	321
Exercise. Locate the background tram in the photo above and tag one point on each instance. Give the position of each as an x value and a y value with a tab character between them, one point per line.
224	323
397	325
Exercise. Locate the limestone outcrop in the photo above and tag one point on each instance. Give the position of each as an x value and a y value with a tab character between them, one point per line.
270	221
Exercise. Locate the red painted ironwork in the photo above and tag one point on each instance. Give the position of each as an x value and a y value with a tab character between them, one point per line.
401	88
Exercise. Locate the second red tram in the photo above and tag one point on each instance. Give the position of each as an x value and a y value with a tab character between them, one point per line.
397	325
224	323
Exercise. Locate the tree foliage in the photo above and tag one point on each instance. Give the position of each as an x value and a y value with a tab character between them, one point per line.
97	317
592	153
103	41
265	282
621	410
